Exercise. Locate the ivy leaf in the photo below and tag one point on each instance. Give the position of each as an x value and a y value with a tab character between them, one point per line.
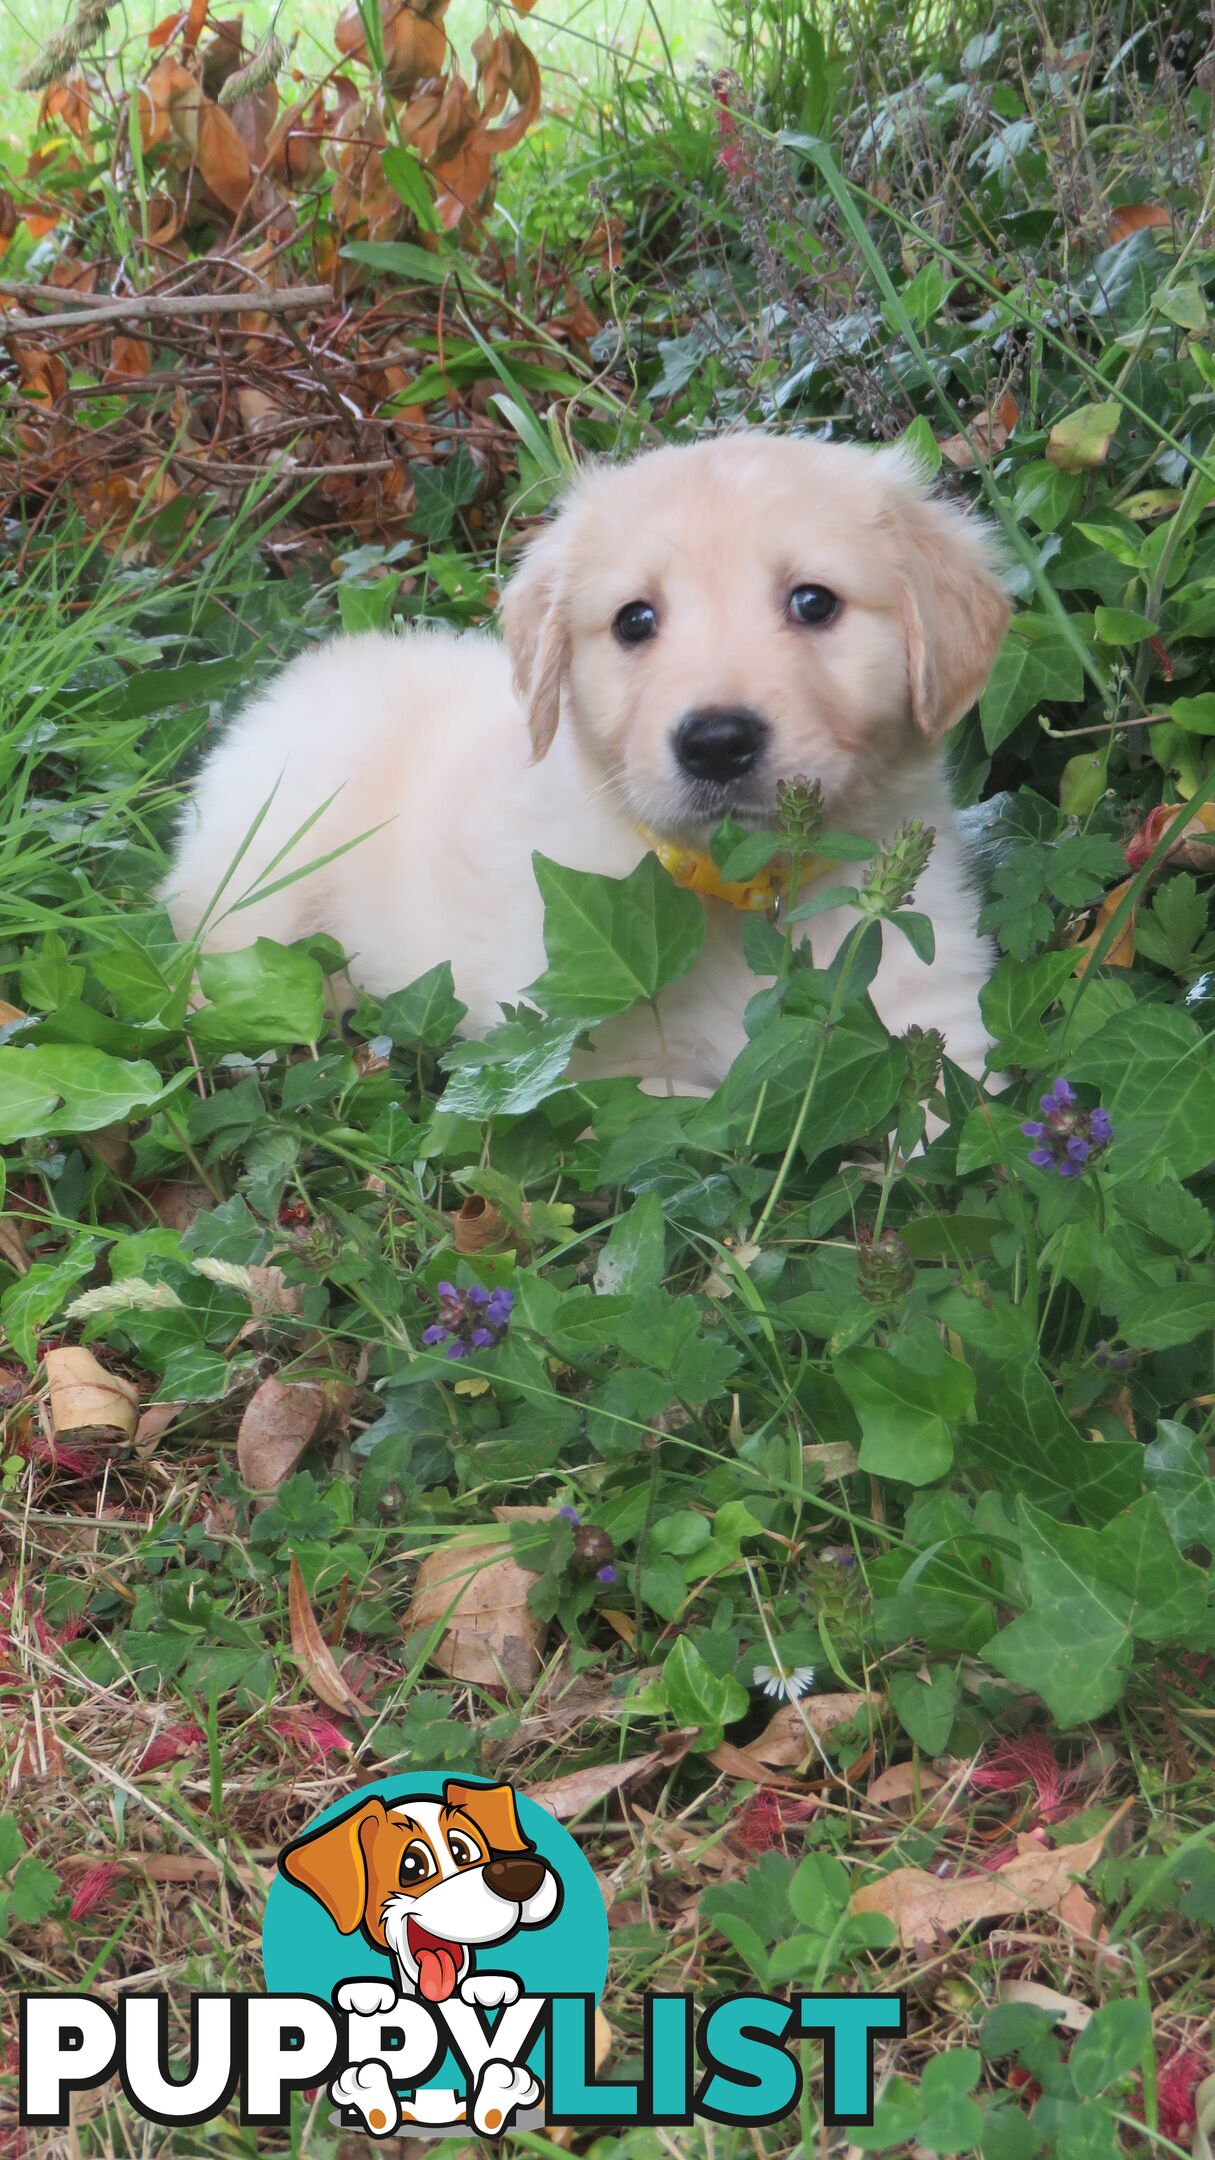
1157	1075
1177	1471
1013	1001
905	1410
1037	664
427	1013
1171	930
517	1066
69	1088
612	943
265	997
440	491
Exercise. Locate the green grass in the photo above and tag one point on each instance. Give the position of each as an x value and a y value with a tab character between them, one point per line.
931	1423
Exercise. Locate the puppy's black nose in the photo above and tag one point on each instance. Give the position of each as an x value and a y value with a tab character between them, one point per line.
720	742
517	1878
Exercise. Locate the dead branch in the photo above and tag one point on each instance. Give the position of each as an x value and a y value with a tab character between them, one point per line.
157	307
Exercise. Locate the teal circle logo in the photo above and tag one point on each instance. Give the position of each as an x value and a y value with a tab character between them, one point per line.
416	1904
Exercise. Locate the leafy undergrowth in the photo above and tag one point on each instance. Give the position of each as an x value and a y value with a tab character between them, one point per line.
839	1448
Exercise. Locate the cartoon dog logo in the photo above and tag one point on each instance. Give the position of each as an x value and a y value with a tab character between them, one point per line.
431	1882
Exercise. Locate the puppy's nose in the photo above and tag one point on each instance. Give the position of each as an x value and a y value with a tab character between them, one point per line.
720	742
516	1878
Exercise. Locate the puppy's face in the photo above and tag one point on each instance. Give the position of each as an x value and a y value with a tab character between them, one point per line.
720	617
429	1879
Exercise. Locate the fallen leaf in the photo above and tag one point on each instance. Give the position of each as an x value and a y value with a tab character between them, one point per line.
1131	218
12	1246
478	1227
154	1422
742	1762
1122	952
175	1205
475	1589
280	1419
785	1740
1083	439
1065	2011
316	1660
902	1782
1189	846
130	359
839	1459
984	436
222	157
85	1398
923	1907
565	1797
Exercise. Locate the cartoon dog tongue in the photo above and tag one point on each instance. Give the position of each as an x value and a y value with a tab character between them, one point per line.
438	1962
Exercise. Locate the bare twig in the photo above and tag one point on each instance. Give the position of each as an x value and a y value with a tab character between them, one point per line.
158	307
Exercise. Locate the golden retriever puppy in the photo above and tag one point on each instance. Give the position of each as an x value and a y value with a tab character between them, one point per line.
690	628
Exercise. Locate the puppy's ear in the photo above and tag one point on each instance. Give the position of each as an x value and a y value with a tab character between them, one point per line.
331	1863
537	633
955	611
492	1808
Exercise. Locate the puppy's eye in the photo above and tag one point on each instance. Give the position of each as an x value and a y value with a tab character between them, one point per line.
415	1866
461	1851
635	623
813	605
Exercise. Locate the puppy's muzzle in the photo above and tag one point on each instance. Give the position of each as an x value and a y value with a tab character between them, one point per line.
719	742
517	1878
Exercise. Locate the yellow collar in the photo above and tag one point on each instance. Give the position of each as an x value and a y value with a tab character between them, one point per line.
760	895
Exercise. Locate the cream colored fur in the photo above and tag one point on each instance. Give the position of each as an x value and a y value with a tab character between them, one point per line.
426	736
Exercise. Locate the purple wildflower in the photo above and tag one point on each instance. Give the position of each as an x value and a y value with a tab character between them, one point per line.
605	1575
469	1320
1112	1360
571	1515
1067	1137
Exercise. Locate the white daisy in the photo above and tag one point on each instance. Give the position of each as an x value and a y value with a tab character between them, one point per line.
787	1683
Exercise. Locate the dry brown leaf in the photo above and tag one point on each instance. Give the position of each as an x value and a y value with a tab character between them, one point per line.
984	436
86	1398
1122	952
785	1740
1063	2008
740	1762
9	1013
1136	217
223	159
922	1907
12	1246
175	1205
316	1660
280	1419
130	359
475	1587
1078	1912
902	1782
565	1797
168	104
478	1227
839	1459
154	1422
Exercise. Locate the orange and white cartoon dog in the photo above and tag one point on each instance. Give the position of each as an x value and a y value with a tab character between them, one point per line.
430	1882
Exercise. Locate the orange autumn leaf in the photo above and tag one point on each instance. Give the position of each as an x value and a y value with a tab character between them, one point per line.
129	357
985	435
1131	218
1122	952
223	159
169	104
166	28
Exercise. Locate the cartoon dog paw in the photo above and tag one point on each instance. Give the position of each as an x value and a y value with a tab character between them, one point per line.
366	1998
366	2088
502	2088
490	1991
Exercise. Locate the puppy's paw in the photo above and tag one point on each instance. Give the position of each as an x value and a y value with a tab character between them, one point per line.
502	2089
490	1991
366	1998
365	2087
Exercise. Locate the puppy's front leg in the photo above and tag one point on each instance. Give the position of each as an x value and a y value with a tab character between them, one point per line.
367	2089
502	2089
